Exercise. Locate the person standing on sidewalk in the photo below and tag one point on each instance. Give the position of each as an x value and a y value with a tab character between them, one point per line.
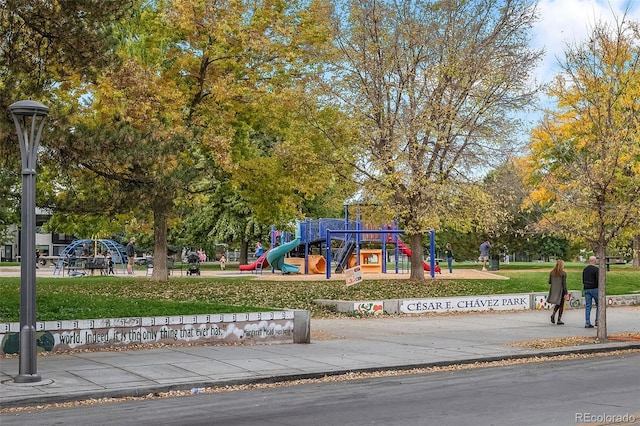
557	291
131	255
590	285
448	253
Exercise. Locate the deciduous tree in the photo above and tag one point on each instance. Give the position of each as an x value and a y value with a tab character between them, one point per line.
585	154
433	87
45	48
203	85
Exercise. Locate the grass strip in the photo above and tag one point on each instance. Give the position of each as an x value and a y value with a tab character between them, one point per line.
114	297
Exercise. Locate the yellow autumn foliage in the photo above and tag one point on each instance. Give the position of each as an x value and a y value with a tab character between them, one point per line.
585	154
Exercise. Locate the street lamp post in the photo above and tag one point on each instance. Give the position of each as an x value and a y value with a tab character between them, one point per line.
29	118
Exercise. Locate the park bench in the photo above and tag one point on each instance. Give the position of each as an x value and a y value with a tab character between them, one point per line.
171	266
614	260
99	263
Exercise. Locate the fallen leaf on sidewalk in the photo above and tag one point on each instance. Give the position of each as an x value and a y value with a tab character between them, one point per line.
572	341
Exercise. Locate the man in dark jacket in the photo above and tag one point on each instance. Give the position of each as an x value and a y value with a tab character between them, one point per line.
590	283
131	255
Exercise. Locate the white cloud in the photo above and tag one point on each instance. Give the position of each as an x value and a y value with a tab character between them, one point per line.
565	22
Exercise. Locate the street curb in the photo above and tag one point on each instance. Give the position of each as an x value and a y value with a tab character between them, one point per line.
147	390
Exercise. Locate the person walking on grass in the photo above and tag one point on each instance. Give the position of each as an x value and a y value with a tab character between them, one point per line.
558	291
590	286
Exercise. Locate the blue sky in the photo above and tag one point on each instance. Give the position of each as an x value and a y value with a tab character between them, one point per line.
571	21
565	22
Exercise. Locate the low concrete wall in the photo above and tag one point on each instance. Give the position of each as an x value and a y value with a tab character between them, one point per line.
252	328
577	300
622	300
520	301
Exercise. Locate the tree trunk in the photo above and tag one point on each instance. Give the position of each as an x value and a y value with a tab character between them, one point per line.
160	270
417	266
244	253
636	252
602	292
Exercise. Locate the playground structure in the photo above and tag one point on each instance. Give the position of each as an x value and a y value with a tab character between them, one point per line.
346	238
407	251
276	257
75	255
257	265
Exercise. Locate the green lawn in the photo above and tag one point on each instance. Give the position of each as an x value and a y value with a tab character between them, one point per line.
115	297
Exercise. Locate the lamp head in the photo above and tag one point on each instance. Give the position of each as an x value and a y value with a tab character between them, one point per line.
28	109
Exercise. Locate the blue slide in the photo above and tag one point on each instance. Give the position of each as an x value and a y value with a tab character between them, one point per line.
276	255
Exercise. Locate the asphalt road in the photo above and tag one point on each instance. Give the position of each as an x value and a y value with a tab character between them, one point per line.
588	390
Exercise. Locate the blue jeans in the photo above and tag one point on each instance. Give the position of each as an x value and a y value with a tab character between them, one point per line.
590	296
450	264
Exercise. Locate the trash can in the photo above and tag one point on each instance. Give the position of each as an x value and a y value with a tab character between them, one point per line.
494	262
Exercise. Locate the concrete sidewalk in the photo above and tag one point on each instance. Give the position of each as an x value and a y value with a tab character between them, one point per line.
337	346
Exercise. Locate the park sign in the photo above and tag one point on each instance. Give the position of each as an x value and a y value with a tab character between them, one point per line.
353	275
503	302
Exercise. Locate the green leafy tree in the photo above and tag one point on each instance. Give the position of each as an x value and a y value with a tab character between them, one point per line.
278	158
46	48
9	201
221	216
201	86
